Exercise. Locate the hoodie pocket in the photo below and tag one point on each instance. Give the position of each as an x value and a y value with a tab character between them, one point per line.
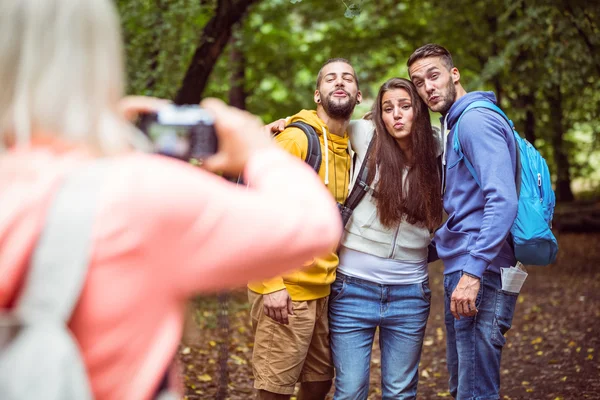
372	229
413	238
452	243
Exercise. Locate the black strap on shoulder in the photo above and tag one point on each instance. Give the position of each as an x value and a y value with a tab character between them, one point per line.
360	188
313	155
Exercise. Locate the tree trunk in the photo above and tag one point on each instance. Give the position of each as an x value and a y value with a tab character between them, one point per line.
563	176
529	129
526	102
214	38
237	91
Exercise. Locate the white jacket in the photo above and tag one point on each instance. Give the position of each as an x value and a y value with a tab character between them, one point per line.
364	231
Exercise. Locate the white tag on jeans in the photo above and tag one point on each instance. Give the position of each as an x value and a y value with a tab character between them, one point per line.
513	278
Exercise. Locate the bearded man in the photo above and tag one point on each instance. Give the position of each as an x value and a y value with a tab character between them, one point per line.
289	313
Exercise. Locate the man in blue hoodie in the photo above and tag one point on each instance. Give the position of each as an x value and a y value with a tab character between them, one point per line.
472	243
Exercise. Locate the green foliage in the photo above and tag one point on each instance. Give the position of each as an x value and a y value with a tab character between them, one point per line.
523	50
160	38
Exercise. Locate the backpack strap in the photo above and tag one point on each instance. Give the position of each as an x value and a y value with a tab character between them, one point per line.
313	155
360	188
458	148
59	263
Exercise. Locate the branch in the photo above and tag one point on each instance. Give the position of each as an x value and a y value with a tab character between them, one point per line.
213	40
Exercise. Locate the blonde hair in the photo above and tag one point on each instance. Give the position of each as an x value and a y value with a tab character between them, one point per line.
61	73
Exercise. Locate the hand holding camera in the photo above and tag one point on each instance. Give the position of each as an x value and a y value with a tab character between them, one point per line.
131	107
183	132
209	134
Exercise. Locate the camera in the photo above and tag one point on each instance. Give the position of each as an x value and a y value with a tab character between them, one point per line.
183	132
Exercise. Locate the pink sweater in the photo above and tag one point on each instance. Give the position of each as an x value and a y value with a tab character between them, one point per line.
165	231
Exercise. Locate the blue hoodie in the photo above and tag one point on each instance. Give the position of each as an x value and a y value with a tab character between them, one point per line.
473	239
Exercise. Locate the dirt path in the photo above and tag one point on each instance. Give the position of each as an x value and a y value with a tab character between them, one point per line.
552	349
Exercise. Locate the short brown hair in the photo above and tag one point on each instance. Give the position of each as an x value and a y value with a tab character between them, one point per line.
431	50
334	60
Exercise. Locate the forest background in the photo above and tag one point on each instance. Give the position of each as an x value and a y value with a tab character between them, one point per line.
540	57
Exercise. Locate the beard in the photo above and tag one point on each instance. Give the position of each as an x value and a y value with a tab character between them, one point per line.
339	109
447	100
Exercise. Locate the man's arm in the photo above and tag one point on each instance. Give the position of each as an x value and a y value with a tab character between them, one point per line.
484	138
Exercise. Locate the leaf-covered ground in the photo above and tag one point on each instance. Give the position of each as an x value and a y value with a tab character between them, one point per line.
551	353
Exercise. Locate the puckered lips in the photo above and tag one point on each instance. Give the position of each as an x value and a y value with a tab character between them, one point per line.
340	94
434	99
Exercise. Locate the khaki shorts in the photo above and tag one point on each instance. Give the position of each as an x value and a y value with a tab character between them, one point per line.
286	354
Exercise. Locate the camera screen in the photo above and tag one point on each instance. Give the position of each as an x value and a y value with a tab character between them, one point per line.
170	140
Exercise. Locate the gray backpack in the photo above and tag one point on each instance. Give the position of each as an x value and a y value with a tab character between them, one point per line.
39	357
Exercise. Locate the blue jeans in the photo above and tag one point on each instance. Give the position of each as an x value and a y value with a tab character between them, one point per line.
474	344
356	308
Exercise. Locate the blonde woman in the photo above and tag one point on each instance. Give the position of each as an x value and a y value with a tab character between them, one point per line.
163	230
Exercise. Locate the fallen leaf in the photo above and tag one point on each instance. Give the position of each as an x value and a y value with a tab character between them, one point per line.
537	340
204	378
238	360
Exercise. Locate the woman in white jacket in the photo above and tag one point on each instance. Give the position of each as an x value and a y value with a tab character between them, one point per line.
382	279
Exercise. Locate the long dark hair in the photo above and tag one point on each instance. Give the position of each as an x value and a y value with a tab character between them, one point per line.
418	199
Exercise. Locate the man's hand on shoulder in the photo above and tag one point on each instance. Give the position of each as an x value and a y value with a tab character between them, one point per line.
275	126
278	305
463	298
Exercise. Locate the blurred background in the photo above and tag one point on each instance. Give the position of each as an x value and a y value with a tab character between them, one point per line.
540	57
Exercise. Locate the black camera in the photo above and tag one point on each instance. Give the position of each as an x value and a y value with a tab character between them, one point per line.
183	132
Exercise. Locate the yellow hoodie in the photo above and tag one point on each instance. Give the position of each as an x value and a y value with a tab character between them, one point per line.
313	282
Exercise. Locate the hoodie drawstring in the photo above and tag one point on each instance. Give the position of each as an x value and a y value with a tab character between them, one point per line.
326	155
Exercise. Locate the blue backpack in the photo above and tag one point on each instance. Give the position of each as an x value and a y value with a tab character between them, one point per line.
532	237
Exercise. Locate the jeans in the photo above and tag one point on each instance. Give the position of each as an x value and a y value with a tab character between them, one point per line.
356	308
474	344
